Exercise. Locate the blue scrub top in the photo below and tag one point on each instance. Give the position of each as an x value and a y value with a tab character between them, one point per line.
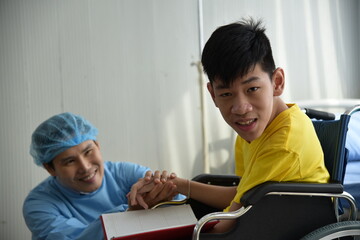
52	211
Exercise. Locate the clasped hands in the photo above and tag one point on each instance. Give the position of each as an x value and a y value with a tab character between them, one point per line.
151	190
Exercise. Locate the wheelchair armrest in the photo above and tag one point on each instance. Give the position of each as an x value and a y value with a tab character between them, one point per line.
255	194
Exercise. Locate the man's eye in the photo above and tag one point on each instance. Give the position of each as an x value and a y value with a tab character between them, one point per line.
88	152
68	161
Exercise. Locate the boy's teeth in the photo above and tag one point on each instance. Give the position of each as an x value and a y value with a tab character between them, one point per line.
246	123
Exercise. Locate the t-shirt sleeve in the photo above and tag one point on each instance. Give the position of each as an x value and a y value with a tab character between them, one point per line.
272	164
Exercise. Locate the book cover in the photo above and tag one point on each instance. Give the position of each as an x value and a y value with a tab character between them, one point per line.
174	222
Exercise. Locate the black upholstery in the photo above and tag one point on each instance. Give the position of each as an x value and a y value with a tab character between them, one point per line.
332	136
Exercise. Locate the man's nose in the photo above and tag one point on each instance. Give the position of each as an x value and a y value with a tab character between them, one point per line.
84	164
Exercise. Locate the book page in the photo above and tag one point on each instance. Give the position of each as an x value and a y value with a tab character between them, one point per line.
132	222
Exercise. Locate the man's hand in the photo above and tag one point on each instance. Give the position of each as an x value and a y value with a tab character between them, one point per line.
152	189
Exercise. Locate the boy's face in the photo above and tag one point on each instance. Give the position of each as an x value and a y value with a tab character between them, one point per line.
251	103
80	168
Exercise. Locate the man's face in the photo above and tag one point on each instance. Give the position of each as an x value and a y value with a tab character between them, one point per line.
80	168
249	104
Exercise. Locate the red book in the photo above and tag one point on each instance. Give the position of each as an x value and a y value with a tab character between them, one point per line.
174	222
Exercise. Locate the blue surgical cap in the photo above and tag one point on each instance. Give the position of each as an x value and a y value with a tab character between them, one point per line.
59	133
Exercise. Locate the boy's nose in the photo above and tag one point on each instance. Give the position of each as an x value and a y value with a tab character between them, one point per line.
241	108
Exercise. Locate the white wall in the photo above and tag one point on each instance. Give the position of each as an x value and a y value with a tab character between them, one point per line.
128	67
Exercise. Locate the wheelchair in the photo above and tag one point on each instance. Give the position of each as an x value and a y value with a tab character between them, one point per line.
289	210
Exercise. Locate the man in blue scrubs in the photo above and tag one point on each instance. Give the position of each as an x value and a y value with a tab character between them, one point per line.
67	204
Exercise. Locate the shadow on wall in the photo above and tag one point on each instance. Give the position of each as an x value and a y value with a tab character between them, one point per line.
221	157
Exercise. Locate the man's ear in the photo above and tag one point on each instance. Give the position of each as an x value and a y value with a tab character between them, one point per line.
278	79
50	168
211	91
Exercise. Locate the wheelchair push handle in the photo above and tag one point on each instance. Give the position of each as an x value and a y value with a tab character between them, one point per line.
312	113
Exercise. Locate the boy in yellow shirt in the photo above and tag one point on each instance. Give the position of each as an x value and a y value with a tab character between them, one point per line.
276	141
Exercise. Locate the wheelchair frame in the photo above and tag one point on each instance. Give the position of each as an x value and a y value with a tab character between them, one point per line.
282	189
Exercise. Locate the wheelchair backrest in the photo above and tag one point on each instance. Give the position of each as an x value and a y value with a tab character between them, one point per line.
332	136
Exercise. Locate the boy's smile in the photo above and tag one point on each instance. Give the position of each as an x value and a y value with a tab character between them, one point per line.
251	102
246	125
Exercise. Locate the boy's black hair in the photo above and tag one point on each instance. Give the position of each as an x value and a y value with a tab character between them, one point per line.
233	50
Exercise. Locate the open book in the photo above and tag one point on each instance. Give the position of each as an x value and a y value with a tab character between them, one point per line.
175	222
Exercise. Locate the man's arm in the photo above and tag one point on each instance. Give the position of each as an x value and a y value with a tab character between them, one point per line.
151	190
46	222
160	192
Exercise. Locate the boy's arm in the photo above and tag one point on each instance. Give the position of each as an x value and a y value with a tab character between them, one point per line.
212	195
215	196
226	225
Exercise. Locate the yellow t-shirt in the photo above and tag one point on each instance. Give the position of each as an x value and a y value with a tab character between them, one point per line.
288	150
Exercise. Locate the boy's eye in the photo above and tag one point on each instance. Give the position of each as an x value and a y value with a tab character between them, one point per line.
253	89
225	94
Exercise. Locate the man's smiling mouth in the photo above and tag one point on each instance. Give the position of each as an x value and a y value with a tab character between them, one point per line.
88	177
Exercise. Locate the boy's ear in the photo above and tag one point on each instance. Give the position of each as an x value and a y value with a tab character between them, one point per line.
211	91
278	79
50	169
